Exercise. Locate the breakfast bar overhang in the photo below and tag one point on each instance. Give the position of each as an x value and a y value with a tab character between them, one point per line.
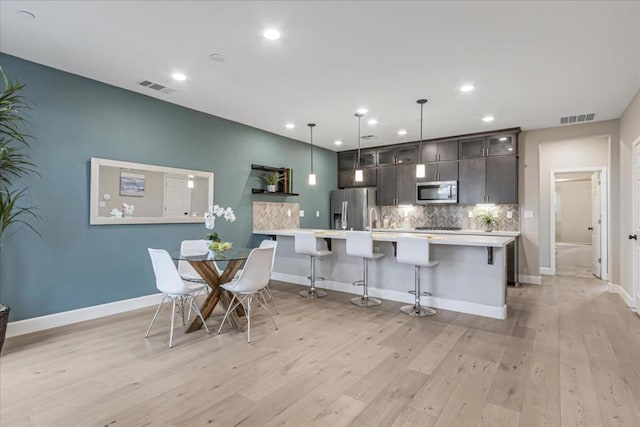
471	276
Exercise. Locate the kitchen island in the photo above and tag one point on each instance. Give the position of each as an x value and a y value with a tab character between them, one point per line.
471	276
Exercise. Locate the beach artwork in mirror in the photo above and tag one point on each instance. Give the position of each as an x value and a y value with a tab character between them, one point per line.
137	193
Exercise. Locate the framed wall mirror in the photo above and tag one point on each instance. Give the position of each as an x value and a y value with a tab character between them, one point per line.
136	193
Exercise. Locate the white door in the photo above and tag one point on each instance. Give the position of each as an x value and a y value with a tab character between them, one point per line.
635	235
177	196
596	257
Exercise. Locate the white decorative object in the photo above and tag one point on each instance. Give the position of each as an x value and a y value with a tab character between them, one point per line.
128	209
217	211
271	188
116	213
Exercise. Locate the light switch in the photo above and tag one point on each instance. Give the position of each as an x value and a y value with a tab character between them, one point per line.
470	214
289	212
528	213
317	214
509	214
301	213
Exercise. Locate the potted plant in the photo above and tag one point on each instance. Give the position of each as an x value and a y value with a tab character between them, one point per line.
272	180
487	219
14	164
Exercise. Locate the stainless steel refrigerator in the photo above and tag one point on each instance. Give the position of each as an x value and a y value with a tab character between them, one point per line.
352	204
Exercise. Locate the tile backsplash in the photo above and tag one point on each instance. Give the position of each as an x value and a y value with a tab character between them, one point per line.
450	216
272	216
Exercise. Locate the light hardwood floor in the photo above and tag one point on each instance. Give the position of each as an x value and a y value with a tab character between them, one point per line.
568	354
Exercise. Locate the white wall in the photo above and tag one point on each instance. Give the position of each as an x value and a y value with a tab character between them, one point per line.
573	211
629	132
577	153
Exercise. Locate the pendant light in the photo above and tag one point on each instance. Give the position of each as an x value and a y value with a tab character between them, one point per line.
359	173
312	176
421	171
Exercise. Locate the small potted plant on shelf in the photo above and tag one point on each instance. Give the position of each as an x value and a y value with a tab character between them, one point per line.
272	180
487	219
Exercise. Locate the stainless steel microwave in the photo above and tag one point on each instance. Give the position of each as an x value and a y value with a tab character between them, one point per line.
436	192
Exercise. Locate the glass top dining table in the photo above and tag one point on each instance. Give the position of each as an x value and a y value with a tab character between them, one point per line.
214	277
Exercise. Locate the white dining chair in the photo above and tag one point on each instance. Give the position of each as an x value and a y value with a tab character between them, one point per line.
175	289
268	243
248	286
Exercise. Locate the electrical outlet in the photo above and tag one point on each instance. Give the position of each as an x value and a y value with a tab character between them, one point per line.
289	213
495	214
528	214
509	214
317	214
102	204
470	214
301	213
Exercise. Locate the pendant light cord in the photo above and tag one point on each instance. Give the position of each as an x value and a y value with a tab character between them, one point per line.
358	158
311	148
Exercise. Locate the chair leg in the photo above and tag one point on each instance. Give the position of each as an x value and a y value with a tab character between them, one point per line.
273	300
181	306
266	307
230	309
160	306
249	303
365	300
416	309
173	317
312	292
197	310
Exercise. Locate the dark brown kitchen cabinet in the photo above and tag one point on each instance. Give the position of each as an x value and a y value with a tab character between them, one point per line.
488	180
441	171
396	185
439	151
347	168
489	146
407	155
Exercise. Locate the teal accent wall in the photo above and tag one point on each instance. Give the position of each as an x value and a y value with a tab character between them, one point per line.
72	264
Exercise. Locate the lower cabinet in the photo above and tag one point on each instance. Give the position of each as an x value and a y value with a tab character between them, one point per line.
488	180
396	185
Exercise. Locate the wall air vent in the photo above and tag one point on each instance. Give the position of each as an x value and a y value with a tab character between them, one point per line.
578	118
156	87
368	137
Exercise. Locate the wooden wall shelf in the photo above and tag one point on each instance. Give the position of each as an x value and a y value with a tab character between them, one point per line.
272	193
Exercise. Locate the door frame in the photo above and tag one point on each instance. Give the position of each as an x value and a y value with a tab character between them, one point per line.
604	216
635	269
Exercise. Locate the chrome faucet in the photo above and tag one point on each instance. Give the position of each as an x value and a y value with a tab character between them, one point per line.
373	210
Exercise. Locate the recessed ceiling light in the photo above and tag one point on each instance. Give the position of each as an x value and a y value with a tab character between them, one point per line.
217	57
26	14
372	122
337	142
362	111
467	88
271	34
487	119
179	77
402	132
504	138
290	126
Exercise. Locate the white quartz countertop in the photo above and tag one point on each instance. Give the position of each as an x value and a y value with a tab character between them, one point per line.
464	232
442	237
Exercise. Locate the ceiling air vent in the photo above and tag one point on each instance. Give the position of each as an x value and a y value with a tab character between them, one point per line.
368	137
156	87
579	118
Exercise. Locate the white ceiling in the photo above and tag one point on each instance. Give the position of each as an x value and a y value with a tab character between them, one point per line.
531	62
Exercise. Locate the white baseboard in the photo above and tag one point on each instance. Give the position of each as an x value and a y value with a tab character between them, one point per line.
41	323
547	271
617	289
531	280
435	302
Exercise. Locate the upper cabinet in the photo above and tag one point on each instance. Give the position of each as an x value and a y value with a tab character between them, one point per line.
441	151
489	146
488	180
403	155
347	165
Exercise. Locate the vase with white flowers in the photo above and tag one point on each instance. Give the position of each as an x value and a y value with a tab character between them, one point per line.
216	246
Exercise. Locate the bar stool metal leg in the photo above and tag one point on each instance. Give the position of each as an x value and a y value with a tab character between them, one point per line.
312	292
416	309
365	300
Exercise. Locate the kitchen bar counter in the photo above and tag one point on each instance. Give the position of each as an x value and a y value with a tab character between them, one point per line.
471	276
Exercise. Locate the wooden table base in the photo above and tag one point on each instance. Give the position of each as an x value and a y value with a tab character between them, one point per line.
209	273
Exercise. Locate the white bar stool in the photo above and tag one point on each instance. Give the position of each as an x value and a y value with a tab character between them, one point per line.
305	243
360	244
415	251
